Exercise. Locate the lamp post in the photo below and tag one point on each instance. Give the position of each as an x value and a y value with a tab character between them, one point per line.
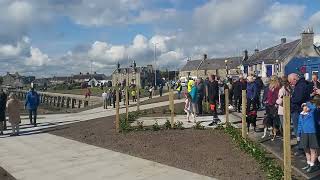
155	62
226	62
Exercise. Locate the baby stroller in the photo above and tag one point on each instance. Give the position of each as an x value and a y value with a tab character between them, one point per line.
251	119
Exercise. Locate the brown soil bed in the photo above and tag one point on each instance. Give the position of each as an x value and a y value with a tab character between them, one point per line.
206	152
4	175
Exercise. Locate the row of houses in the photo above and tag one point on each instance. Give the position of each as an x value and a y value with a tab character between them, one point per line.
17	81
298	56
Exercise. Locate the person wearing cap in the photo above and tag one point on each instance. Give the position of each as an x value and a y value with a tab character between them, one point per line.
308	135
3	101
31	104
13	106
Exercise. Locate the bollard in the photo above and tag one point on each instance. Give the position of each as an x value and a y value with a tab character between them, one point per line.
117	110
207	101
86	103
58	101
79	105
68	102
73	101
62	101
226	95
286	139
54	100
172	107
138	98
127	104
244	115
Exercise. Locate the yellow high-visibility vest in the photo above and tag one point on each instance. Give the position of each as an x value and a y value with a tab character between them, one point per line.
190	84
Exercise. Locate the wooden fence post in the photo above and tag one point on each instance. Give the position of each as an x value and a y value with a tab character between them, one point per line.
117	110
244	115
171	97
138	98
226	95
286	139
127	103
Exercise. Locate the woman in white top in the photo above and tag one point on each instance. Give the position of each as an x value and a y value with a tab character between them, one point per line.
284	91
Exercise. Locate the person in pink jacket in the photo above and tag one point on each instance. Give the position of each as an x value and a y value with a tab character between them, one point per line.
14	106
284	91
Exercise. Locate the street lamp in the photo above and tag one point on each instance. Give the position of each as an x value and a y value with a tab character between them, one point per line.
155	62
226	62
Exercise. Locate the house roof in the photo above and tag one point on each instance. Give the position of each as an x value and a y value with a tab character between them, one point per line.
213	64
89	76
270	55
124	71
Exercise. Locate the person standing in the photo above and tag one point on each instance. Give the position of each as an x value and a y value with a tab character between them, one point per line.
161	89
252	94
105	100
315	81
300	94
237	93
13	106
133	94
109	97
31	104
213	96
284	91
189	84
114	97
260	86
3	101
271	108
179	89
200	95
194	99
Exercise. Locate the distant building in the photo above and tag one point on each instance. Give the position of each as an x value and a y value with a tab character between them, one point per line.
16	80
216	66
143	76
299	56
82	78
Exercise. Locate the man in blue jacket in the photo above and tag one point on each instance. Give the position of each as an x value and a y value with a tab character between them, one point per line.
32	103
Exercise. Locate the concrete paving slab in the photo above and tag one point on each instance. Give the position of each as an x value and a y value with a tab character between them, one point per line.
47	156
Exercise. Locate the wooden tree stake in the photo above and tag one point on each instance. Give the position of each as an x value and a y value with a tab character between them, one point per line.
286	139
244	115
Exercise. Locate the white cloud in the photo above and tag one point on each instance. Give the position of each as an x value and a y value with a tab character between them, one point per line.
37	58
14	51
219	16
284	16
20	12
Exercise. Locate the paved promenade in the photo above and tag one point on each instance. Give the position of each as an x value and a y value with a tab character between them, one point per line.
42	156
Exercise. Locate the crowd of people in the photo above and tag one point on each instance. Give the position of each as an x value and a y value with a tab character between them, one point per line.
12	106
269	96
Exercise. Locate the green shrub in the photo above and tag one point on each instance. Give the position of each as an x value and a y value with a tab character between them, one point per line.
140	125
167	124
198	126
124	125
178	125
273	170
156	126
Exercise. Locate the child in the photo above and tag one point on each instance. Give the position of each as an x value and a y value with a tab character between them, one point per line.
188	108
13	106
308	136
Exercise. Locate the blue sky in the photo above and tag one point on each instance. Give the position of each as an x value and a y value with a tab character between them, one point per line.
61	37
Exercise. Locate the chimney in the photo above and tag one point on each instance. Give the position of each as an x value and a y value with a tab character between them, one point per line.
256	50
245	55
283	40
307	39
205	56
